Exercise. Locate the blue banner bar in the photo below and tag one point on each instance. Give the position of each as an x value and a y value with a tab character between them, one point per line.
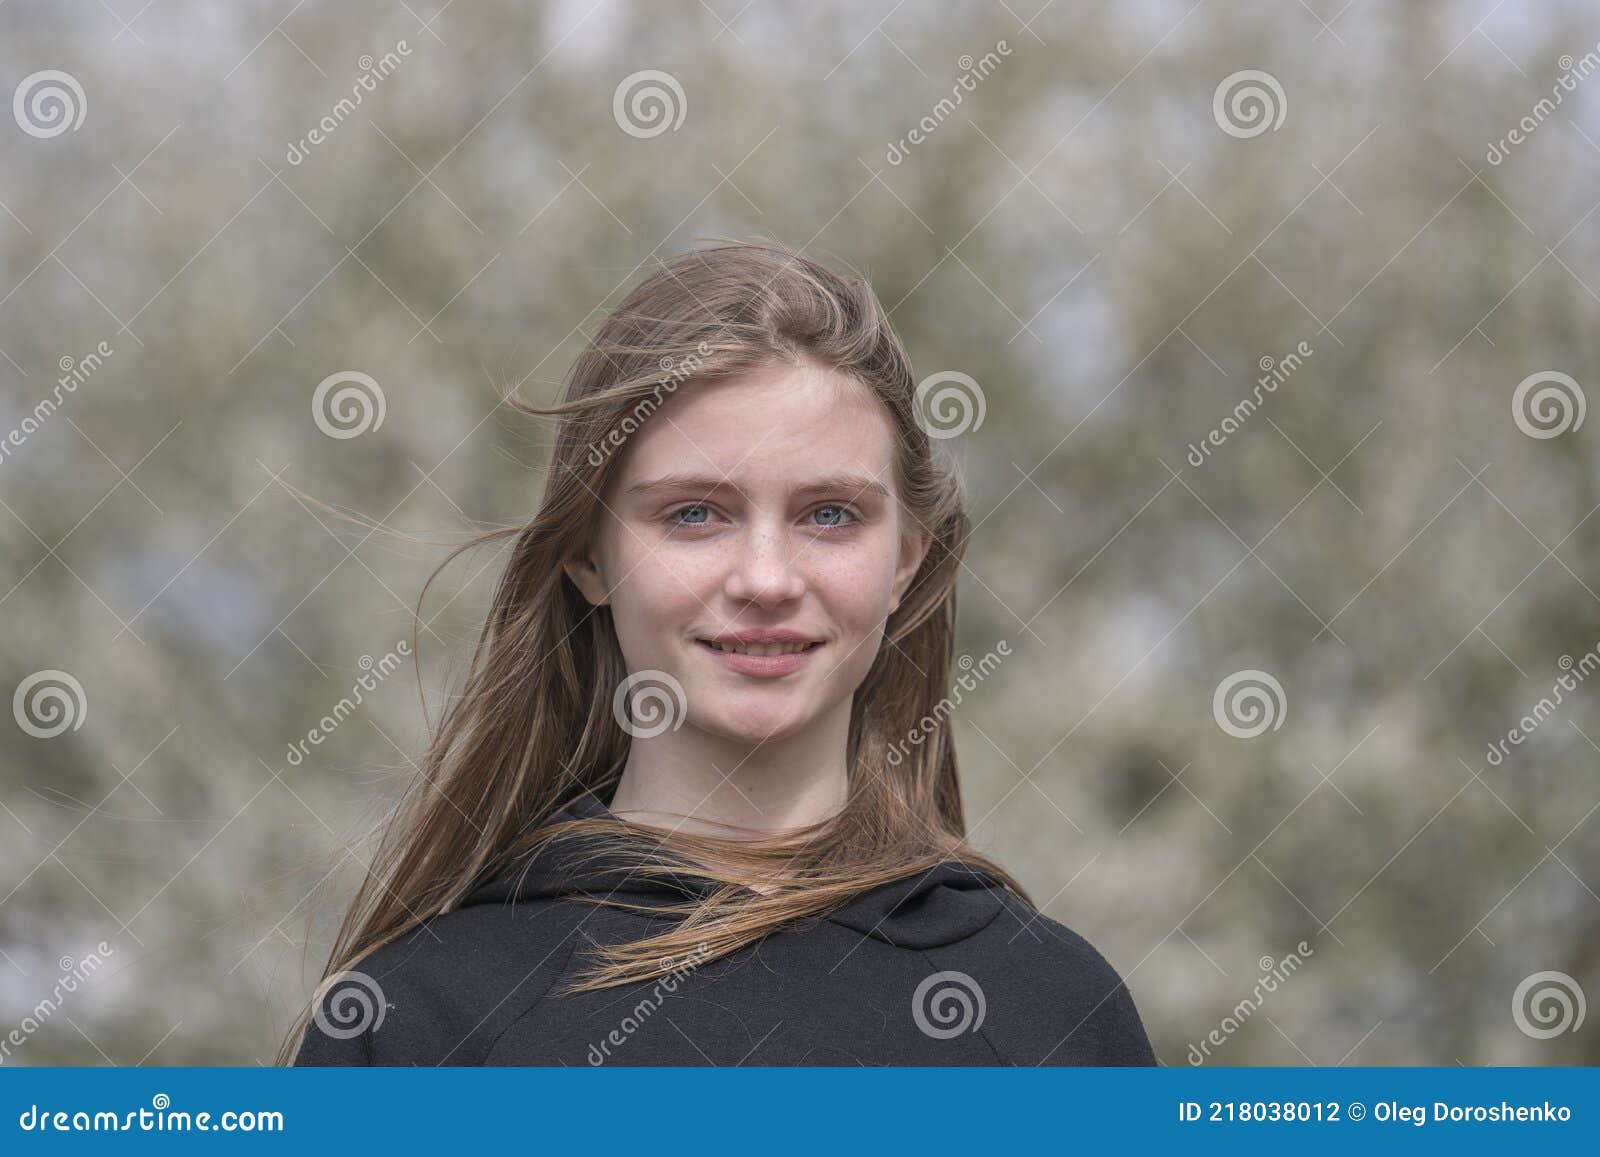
691	1111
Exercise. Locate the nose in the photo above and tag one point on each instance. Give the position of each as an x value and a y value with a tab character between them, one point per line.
764	571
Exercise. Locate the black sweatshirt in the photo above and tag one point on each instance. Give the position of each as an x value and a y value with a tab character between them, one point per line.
946	967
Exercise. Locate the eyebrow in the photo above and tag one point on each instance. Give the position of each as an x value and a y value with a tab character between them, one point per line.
852	484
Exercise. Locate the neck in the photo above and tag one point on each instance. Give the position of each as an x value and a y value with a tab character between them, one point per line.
696	782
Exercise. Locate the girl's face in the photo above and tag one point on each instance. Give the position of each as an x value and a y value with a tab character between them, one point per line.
752	545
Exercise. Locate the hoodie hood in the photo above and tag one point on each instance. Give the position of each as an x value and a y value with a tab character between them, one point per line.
941	905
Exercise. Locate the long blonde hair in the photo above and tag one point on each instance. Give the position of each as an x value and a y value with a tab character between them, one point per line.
533	726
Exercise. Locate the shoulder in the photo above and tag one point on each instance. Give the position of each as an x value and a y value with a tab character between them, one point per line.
1087	1011
442	992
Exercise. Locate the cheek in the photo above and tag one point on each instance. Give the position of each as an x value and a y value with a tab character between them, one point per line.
857	588
864	600
663	589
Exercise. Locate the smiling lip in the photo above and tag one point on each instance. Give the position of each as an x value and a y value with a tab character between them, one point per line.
797	649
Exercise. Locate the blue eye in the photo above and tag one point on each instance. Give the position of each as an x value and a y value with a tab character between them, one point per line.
839	513
678	520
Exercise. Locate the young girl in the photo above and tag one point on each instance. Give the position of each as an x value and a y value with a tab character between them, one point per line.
687	809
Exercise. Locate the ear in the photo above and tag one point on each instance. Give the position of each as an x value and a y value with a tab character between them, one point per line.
914	546
586	576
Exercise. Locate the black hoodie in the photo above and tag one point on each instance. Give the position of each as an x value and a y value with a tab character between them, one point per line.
946	967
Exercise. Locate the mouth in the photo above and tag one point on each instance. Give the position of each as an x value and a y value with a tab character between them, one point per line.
732	647
762	660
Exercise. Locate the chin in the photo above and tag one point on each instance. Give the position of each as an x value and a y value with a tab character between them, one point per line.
750	725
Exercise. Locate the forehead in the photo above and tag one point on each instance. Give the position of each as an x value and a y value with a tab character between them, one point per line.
781	424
